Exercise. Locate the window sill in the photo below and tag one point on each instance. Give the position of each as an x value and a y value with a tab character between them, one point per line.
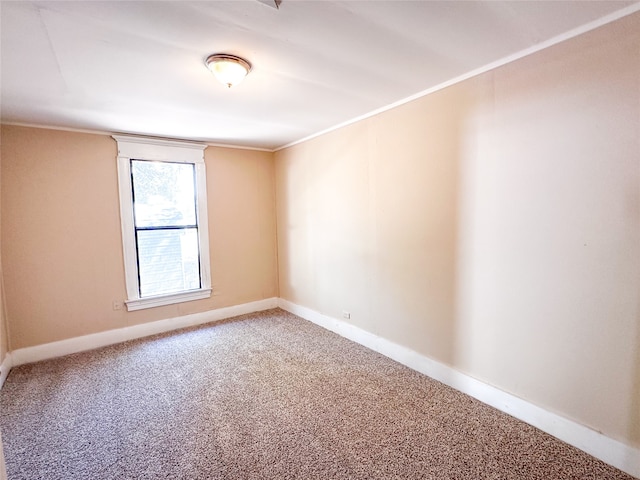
160	300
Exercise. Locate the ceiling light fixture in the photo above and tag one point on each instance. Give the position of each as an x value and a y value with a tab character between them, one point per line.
228	69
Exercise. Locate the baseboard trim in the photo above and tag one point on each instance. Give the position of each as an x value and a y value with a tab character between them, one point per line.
45	351
613	452
5	367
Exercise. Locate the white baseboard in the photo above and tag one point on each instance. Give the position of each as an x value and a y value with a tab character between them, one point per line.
613	452
110	337
5	366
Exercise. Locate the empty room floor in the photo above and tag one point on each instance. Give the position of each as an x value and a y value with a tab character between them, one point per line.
262	396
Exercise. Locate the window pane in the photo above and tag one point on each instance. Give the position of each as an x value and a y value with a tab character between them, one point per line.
163	193
168	261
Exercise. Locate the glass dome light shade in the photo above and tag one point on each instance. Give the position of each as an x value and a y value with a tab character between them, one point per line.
228	69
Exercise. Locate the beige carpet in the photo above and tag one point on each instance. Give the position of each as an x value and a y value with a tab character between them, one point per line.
263	396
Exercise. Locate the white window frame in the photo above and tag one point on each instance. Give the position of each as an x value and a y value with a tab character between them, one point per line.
140	148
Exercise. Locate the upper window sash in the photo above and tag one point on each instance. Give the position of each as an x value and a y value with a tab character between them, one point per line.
140	148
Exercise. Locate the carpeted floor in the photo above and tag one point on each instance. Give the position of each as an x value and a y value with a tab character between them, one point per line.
262	396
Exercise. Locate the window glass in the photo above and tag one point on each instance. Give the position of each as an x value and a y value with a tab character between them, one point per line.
165	227
164	193
168	261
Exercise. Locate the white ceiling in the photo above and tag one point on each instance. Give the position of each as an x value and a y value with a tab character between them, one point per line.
137	67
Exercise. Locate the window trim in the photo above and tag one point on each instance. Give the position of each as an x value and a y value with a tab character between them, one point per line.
142	148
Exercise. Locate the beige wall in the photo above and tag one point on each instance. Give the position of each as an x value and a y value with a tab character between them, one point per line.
4	343
493	226
4	340
4	346
61	243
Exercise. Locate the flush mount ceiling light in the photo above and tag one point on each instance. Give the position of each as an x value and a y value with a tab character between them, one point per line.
228	69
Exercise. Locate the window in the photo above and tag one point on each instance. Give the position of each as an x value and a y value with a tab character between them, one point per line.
163	210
